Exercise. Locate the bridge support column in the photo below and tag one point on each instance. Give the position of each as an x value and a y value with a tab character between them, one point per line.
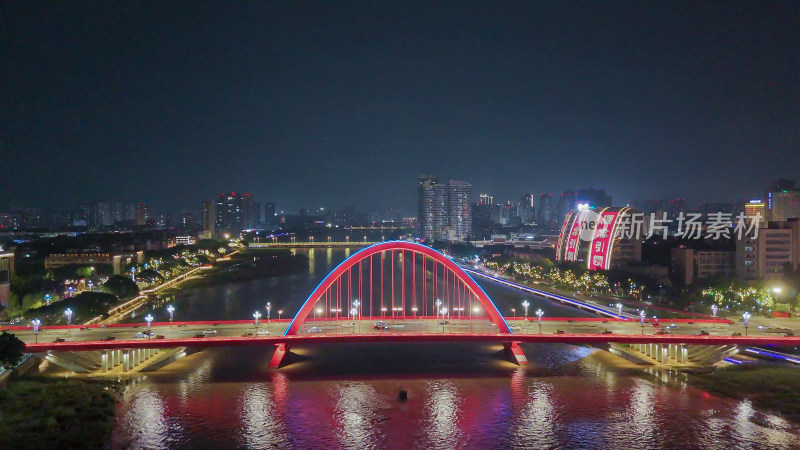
663	353
515	352
277	358
684	354
104	362
126	360
119	357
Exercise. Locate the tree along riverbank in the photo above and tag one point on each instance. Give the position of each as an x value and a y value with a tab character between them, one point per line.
44	412
771	387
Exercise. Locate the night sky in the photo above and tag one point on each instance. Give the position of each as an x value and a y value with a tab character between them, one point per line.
337	103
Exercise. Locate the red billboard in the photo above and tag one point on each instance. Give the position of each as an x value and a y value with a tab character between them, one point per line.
602	241
561	236
574	237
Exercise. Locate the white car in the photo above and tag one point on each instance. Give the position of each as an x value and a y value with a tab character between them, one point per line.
262	333
209	331
315	330
143	334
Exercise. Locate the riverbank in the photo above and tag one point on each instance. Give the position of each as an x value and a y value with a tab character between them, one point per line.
44	412
769	387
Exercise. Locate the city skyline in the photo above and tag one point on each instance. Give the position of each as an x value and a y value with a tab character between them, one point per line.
341	104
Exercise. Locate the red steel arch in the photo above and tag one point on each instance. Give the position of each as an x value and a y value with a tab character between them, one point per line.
488	306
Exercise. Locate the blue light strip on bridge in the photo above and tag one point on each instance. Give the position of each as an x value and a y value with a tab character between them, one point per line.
545	294
773	355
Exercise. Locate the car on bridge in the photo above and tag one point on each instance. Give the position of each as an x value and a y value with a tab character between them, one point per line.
380	326
447	322
209	331
262	333
143	334
315	330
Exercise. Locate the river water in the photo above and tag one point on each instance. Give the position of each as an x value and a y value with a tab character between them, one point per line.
459	395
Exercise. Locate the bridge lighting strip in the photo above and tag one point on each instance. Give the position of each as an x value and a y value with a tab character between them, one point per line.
545	294
773	355
731	360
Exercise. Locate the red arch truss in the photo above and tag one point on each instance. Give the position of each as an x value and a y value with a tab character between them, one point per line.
357	258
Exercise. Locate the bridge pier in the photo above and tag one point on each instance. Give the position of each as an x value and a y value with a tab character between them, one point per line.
104	362
126	360
514	351
277	358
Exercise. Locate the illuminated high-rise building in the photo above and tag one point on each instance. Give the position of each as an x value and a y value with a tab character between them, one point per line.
526	210
459	213
233	212
444	209
207	217
547	213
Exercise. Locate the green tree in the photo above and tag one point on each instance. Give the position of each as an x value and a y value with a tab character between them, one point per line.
11	349
120	286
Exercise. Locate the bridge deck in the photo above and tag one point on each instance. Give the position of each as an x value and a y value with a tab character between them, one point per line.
392	337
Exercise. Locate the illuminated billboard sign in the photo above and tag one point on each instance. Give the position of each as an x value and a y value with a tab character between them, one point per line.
561	236
602	240
574	237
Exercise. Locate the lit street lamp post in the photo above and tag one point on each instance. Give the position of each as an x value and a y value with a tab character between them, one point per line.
91	285
356	304
514	312
171	311
438	305
383	312
280	311
525	305
256	316
714	309
47	299
317	312
539	314
35	323
148	318
68	313
746	318
641	319
619	308
269	309
444	311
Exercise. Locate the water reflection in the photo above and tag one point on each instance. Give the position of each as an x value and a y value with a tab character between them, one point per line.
441	417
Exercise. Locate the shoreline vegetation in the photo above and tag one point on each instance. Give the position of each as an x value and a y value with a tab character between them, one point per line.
45	412
250	265
769	387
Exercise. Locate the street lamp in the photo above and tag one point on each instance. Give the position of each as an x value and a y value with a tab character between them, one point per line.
47	299
171	311
444	311
746	317
353	312
619	308
269	308
256	316
383	312
133	274
414	311
525	305
714	309
539	314
514	312
36	323
641	319
280	311
438	304
148	318
68	313
91	285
